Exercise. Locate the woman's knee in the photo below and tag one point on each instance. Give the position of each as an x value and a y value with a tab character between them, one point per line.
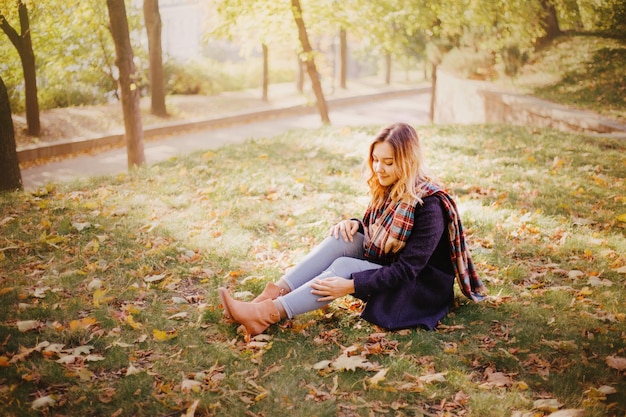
345	248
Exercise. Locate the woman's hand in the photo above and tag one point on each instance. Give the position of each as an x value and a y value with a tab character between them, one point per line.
332	287
346	229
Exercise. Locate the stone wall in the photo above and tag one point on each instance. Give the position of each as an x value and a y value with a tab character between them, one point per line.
462	101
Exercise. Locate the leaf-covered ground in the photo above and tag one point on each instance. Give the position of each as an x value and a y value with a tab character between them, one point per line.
108	302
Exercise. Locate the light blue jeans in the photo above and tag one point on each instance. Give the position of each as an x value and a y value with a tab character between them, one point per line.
331	258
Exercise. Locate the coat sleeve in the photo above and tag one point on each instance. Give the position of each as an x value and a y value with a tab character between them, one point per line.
428	228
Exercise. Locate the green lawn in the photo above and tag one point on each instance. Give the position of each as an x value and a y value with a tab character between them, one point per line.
585	72
108	302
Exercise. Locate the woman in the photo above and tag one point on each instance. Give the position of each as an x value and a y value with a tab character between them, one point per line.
401	259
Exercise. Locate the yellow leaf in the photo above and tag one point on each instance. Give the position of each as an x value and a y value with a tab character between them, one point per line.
4	361
161	335
132	323
5	290
621	218
84	323
191	411
99	297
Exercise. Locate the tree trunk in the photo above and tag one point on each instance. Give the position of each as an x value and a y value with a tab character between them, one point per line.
11	177
300	75
388	68
307	52
433	92
127	82
24	46
152	17
265	77
549	23
343	54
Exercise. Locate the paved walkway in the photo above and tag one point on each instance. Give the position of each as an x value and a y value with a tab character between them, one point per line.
369	109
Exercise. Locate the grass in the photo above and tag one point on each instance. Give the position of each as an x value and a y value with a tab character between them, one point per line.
591	78
108	302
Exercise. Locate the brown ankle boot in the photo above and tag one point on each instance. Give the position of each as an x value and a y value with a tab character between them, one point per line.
255	317
271	292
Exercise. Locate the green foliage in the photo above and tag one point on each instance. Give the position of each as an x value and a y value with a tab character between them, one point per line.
469	63
208	77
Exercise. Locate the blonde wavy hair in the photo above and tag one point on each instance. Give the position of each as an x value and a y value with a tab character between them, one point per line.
407	160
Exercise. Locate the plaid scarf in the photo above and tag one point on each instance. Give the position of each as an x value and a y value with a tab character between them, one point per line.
388	228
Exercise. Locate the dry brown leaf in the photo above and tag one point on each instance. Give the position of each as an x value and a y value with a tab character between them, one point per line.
499	379
430	378
350	363
547	404
616	362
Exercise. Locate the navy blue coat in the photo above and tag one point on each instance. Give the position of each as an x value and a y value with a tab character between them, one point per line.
417	288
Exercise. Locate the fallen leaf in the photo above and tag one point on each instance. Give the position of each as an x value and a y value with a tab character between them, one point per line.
162	336
548	404
94	284
191	410
562	345
178	316
27	325
607	390
430	378
84	374
99	297
573	274
616	362
154	278
499	379
325	364
132	370
67	359
5	290
82	350
43	402
461	398
349	363
380	376
597	282
82	324
190	385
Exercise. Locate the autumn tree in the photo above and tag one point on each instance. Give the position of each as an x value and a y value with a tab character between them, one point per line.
22	42
127	83
152	18
253	25
11	177
308	58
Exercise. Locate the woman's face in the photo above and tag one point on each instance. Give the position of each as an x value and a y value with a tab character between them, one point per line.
384	164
